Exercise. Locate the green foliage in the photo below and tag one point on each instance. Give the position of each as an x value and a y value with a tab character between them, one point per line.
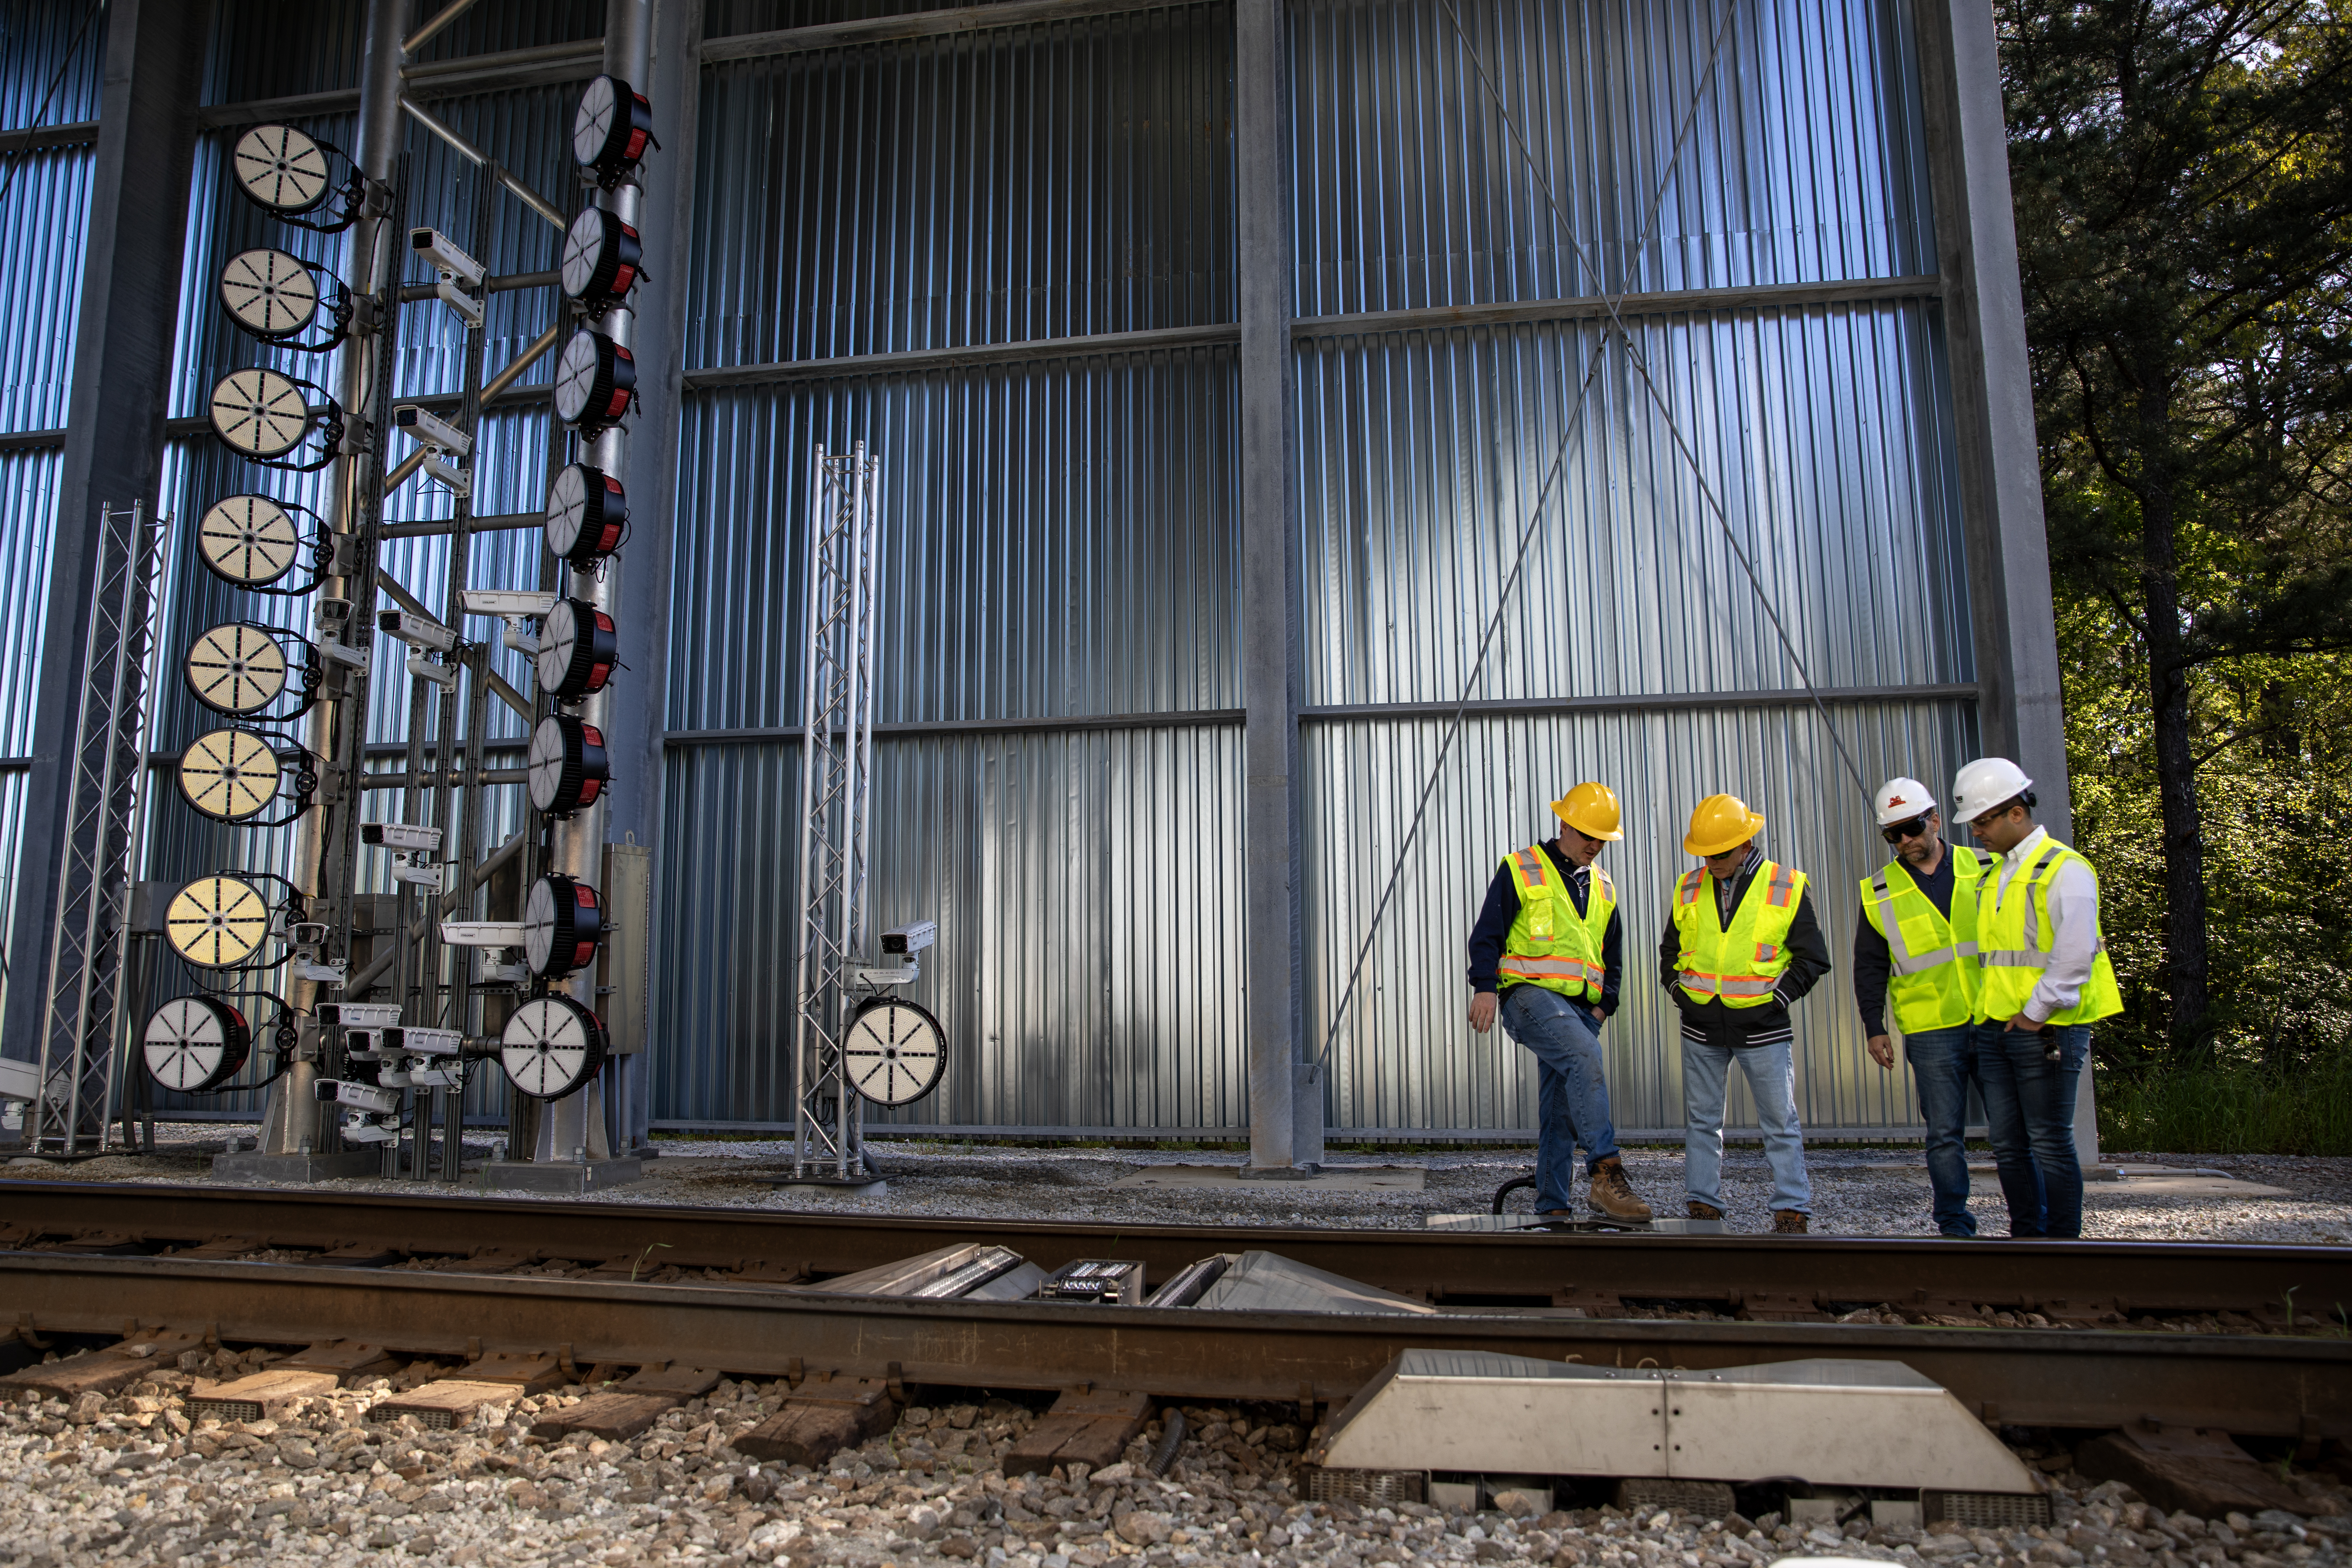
2230	1110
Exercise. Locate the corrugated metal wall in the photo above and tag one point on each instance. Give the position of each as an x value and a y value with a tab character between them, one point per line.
50	69
1062	541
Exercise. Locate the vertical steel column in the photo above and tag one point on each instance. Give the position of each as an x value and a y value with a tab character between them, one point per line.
634	739
292	1119
2021	714
576	1122
1286	1092
115	431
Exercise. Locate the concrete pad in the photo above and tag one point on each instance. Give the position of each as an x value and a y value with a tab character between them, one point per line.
1330	1179
567	1177
2197	1185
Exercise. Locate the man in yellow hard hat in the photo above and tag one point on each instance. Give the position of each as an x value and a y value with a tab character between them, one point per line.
1915	956
1741	944
1546	957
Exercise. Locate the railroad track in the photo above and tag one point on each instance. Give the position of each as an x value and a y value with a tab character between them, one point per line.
459	1279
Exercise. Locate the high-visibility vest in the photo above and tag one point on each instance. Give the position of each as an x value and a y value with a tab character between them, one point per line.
1932	959
2014	937
1549	945
1738	964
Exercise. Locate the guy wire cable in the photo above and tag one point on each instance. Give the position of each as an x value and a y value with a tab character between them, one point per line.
1610	303
24	150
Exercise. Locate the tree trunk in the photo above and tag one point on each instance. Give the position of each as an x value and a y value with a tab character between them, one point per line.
2176	781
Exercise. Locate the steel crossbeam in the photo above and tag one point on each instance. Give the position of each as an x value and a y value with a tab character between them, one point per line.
836	786
81	1015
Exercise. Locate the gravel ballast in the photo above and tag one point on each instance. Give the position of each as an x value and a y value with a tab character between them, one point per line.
132	1480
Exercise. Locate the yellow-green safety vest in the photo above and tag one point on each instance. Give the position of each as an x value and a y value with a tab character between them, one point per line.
1740	963
1932	959
2014	939
1549	945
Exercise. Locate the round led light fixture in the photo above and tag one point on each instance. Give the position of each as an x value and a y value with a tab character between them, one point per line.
577	649
596	381
250	540
230	775
551	1046
263	415
895	1053
194	1044
603	259
611	130
236	667
562	925
280	168
270	293
587	510
568	767
216	923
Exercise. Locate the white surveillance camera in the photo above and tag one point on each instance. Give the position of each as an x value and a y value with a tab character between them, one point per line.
360	1014
416	631
424	1042
432	429
910	938
443	252
400	836
507	603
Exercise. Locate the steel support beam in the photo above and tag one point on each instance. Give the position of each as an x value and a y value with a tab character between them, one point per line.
1285	1093
635	736
2022	715
113	452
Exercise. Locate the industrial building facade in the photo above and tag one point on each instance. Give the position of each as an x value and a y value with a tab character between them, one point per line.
1314	437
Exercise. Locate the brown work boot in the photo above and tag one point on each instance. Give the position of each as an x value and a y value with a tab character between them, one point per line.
1787	1222
1702	1211
1611	1194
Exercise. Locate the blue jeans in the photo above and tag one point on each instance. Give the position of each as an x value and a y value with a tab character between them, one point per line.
2030	1113
1772	1083
1571	1095
1943	1061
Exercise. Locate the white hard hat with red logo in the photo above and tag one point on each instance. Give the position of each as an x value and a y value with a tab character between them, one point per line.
1900	800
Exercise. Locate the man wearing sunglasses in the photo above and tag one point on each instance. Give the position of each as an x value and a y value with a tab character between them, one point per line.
1914	954
1741	944
1547	943
2042	979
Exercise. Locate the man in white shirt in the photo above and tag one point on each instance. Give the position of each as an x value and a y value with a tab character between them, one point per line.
2043	979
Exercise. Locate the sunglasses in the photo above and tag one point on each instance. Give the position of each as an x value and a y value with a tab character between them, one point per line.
1903	830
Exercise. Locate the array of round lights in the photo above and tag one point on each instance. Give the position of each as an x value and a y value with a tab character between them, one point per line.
195	1044
231	774
577	650
240	668
562	925
568	768
552	1045
294	175
216	923
611	130
275	295
595	381
895	1051
264	415
587	514
253	541
602	260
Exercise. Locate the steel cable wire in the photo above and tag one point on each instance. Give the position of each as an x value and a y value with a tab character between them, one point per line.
24	150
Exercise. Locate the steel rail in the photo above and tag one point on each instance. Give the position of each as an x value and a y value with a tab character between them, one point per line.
2249	1386
1446	1266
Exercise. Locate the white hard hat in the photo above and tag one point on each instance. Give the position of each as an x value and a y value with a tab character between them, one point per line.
1985	783
1900	800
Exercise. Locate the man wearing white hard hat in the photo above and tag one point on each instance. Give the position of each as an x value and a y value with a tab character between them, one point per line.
1915	956
2042	979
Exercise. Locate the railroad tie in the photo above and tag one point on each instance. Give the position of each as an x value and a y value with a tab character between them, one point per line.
622	1413
823	1418
499	1377
1090	1428
1781	1307
349	1360
266	1394
109	1371
2183	1468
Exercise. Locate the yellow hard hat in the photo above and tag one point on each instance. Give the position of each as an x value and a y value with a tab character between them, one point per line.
1591	809
1721	822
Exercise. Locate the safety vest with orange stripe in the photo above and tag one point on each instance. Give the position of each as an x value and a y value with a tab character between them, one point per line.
1738	964
1549	943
